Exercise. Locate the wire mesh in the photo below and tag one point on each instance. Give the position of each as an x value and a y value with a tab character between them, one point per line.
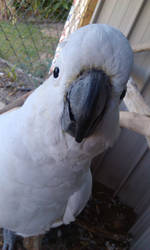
29	32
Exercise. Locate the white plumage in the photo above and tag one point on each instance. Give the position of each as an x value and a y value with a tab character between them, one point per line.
45	178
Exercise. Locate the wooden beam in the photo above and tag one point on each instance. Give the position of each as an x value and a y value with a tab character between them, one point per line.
88	12
97	11
141	47
136	122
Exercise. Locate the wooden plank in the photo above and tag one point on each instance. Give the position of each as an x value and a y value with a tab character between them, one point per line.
137	36
118	161
120	14
141	47
117	16
143	204
103	14
97	10
88	12
142	224
96	163
130	173
130	16
143	242
138	183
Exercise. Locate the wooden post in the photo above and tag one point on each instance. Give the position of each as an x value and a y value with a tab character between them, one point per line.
33	243
88	12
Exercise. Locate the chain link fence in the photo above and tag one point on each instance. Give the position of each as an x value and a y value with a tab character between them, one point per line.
29	33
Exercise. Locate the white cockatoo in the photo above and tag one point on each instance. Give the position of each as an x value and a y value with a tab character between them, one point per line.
47	144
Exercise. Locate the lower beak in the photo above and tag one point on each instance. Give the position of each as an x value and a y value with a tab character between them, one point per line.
85	104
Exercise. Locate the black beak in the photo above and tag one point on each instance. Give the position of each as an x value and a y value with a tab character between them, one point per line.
85	104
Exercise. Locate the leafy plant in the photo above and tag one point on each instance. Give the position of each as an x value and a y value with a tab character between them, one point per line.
54	9
11	73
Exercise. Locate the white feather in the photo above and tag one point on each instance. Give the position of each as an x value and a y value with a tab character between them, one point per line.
44	174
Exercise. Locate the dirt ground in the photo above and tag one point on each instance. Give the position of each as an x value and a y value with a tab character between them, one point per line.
104	223
14	83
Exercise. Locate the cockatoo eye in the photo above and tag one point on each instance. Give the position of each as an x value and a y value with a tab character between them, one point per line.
56	72
123	94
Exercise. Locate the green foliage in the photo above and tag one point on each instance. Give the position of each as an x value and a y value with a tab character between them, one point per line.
54	9
11	73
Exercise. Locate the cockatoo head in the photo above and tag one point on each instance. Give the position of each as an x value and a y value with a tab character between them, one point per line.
93	69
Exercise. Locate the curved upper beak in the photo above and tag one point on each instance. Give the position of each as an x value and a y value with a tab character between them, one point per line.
85	103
